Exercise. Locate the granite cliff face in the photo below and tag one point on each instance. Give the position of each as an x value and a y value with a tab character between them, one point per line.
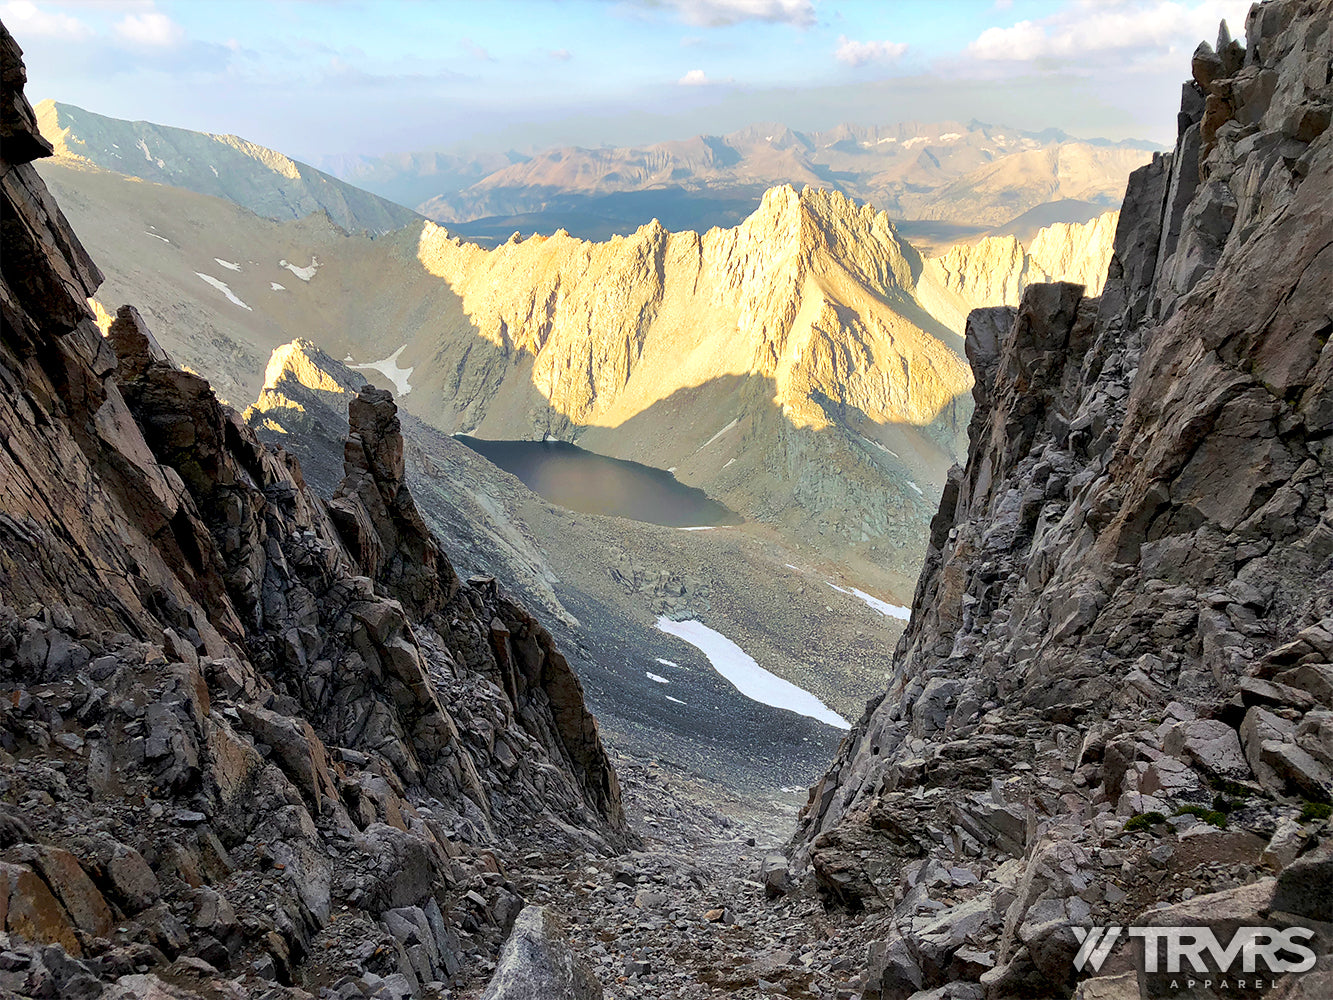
812	329
248	731
994	271
1115	690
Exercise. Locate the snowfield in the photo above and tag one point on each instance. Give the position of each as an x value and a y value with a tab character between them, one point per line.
883	607
747	676
304	273
221	286
390	370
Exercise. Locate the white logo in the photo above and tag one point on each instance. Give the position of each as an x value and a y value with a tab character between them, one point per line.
1281	950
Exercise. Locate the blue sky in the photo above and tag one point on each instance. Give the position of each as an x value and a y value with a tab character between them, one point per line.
360	77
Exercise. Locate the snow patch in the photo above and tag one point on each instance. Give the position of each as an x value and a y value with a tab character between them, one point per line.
699	527
156	237
214	169
228	264
915	487
724	430
881	447
916	140
656	677
668	663
676	700
282	288
748	677
221	286
304	273
390	370
951	136
883	607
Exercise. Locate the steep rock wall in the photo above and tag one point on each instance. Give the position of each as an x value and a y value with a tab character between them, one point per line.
281	713
1124	613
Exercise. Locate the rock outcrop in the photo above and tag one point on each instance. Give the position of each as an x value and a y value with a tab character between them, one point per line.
247	734
1112	695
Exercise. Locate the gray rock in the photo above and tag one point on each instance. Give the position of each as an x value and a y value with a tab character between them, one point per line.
537	963
773	875
1211	744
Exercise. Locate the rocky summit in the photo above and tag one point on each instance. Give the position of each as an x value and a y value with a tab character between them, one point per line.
270	729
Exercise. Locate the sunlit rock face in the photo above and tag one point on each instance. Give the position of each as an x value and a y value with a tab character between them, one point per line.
1123	626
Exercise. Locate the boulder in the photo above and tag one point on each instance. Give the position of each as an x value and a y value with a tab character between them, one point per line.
1305	886
773	875
1211	744
28	909
1315	679
1224	912
60	870
537	963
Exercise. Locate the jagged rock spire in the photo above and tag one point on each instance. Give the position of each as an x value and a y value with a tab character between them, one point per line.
376	515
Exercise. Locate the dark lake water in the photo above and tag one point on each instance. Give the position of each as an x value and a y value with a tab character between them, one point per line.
594	484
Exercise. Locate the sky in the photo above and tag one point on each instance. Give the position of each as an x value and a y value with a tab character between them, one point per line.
336	78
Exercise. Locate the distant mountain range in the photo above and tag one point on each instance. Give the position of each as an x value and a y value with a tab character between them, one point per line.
941	182
941	179
225	166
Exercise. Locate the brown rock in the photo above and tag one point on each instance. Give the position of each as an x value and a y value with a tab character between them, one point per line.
28	909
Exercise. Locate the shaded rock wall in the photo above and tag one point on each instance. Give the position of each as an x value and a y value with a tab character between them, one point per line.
229	713
1125	604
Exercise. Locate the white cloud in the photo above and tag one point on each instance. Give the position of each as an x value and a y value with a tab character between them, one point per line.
25	19
694	78
152	29
855	53
719	13
477	51
564	55
1089	26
